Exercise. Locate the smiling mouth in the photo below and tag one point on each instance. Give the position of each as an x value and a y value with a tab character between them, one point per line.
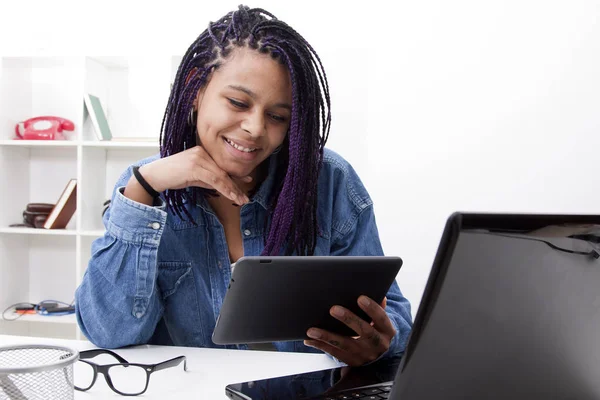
240	148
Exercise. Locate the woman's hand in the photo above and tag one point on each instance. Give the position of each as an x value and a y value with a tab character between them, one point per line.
374	338
192	167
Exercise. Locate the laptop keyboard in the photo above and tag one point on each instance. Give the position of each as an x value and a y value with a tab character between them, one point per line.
370	393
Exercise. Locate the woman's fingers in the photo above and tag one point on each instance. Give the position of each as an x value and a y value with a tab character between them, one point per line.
220	182
355	323
206	171
370	336
381	321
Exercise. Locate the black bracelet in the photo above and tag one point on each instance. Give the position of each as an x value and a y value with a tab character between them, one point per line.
144	184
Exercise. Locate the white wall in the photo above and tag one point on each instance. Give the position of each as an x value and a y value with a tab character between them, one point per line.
440	105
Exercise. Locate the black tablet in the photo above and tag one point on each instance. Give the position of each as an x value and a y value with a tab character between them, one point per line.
280	298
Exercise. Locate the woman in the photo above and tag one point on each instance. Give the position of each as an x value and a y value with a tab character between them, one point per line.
242	171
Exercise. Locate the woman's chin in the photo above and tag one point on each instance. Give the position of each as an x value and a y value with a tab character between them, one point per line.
237	173
235	170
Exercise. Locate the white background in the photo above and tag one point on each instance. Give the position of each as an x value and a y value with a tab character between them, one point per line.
439	105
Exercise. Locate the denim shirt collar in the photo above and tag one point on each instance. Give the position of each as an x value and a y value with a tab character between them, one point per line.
265	190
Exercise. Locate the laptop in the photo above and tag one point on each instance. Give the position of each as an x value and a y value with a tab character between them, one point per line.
511	310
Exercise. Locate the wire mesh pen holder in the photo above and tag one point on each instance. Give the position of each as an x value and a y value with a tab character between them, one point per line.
32	372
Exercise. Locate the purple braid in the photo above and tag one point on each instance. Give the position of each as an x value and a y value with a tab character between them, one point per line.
292	217
297	153
282	218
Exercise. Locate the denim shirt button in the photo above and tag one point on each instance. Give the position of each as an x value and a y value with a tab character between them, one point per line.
139	314
247	232
155	225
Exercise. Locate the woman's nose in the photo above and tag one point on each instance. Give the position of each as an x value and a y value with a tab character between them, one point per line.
254	124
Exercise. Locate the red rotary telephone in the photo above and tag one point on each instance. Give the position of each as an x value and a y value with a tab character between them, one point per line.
43	128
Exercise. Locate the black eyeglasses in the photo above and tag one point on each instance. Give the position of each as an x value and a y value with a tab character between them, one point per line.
125	378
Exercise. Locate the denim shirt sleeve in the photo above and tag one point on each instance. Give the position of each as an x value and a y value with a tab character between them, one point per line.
363	240
355	233
117	302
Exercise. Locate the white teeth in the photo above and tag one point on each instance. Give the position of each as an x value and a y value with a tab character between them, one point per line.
240	148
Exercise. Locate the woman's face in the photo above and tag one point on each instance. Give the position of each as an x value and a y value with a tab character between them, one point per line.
244	111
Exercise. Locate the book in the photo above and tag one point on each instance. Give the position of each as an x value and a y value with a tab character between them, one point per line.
93	108
64	208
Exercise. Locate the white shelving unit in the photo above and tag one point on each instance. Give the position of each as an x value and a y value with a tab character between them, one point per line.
48	319
37	264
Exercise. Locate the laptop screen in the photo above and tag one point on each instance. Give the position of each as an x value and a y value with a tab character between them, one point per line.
516	315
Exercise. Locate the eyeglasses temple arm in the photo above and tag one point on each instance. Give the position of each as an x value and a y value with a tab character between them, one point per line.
171	363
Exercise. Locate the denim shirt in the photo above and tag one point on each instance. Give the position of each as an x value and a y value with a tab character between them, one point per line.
157	278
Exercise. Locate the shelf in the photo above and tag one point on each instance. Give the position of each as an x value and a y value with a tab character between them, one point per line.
59	319
52	232
40	263
39	143
75	143
119	144
98	233
35	231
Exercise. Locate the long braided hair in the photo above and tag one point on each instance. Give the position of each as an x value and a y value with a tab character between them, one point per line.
292	217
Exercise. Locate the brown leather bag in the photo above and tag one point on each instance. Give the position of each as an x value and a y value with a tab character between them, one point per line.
39	207
39	221
35	214
30	216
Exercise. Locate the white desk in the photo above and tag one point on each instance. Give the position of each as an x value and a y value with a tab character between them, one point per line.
209	370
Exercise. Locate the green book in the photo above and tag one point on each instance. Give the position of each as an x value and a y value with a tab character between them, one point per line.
94	110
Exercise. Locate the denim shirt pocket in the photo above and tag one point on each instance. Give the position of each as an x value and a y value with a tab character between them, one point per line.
182	313
323	244
171	275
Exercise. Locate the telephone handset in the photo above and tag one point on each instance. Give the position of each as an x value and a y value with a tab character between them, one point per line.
43	128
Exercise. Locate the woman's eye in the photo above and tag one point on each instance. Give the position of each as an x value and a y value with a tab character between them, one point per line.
277	118
237	104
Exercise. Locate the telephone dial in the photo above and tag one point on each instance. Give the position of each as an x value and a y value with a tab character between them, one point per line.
43	128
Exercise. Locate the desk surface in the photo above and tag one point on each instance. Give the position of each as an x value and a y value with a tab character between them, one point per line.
209	370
